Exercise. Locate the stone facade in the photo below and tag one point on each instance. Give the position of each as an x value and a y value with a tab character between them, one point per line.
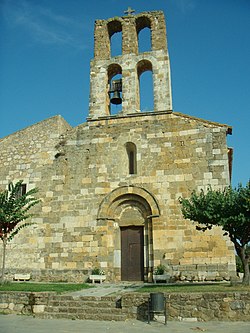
120	172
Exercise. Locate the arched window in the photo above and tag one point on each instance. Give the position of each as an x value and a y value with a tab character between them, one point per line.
146	84
115	88
143	28
115	37
132	160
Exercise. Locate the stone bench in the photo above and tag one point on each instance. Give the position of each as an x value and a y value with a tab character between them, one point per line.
22	277
97	278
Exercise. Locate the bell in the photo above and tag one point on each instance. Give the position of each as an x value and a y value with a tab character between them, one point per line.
116	98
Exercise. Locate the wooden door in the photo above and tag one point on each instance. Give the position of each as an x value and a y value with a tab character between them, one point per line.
132	258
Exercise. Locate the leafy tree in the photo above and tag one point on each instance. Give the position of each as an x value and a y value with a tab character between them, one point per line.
229	209
14	208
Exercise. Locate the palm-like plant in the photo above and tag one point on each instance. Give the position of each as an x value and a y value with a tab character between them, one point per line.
14	209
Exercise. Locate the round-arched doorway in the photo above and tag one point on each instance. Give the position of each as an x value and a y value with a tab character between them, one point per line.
131	210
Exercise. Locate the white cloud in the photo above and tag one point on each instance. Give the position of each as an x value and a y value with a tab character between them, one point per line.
42	24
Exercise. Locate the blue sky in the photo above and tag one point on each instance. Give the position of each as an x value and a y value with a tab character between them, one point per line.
46	47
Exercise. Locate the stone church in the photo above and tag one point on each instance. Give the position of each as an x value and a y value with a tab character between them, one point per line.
110	186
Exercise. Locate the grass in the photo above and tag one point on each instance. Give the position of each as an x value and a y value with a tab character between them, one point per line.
191	288
43	287
69	287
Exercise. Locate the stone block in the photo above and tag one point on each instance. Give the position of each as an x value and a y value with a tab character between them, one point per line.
4	305
18	307
11	306
37	309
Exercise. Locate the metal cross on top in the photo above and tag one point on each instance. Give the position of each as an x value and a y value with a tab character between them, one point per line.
129	11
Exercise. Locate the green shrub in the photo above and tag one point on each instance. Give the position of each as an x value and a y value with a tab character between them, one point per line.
97	271
159	270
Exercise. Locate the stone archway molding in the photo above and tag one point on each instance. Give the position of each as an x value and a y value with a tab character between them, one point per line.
106	213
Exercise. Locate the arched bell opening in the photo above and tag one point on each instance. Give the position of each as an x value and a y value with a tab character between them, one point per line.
115	37
145	94
144	36
114	99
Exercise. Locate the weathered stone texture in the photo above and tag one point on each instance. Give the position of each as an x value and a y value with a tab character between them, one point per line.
130	27
88	190
75	227
194	306
131	64
179	306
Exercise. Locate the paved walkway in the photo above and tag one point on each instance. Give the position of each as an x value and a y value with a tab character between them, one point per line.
106	289
24	324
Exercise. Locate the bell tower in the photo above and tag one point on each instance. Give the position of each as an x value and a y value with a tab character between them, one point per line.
105	90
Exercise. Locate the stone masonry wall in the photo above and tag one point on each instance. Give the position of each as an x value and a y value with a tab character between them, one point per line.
28	155
130	26
194	306
234	306
99	99
130	64
24	152
175	154
87	189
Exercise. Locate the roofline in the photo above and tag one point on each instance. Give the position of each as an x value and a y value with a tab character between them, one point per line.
154	113
209	122
58	116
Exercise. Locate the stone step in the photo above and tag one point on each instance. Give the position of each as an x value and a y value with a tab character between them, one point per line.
83	303
65	309
84	316
91	308
87	298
